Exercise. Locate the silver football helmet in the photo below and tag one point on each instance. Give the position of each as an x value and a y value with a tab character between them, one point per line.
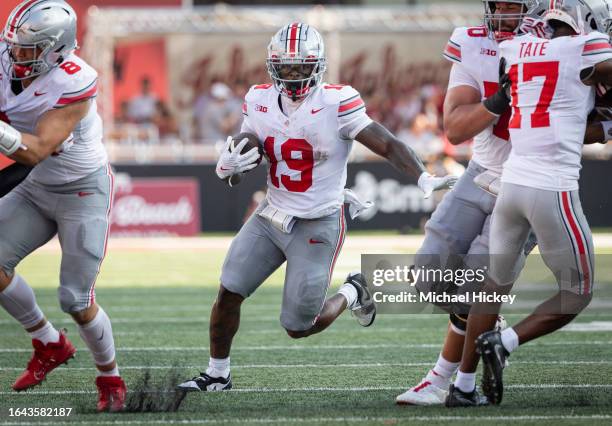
296	60
495	21
47	28
600	20
581	15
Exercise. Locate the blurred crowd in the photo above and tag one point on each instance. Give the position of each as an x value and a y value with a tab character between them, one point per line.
408	105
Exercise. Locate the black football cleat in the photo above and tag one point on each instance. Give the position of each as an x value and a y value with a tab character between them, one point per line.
365	309
457	398
494	357
205	383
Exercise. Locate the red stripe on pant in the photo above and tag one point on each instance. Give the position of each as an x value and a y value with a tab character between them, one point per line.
580	241
92	293
339	245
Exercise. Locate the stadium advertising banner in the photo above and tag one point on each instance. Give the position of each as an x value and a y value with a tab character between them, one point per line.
398	202
148	207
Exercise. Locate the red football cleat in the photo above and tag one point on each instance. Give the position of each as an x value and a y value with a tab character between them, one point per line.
111	393
44	360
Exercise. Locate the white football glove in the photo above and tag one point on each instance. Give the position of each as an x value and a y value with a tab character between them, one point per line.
429	183
233	162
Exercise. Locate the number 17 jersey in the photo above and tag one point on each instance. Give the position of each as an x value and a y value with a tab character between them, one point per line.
550	105
308	148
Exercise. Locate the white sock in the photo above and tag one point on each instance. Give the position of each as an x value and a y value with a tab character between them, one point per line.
350	293
442	372
466	382
19	301
218	367
98	336
46	334
510	339
109	373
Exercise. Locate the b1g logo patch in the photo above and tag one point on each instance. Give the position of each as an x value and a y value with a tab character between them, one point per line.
488	52
261	108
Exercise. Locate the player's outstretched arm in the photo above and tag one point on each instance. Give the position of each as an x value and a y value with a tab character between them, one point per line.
12	176
464	114
53	128
382	142
599	73
598	132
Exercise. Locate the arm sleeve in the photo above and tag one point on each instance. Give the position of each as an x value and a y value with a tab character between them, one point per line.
352	116
595	50
459	76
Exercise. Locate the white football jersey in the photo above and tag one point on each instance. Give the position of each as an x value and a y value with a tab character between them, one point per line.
550	105
73	80
475	59
307	149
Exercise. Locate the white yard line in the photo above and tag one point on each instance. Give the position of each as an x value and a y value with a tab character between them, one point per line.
345	420
298	347
326	389
293	366
315	347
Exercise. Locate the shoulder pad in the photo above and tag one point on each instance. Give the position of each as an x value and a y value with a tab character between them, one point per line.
257	91
75	77
460	38
334	94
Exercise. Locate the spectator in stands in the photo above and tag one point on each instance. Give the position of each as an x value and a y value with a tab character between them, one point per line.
165	122
423	137
217	114
143	107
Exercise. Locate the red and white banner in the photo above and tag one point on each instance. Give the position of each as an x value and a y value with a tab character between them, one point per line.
162	207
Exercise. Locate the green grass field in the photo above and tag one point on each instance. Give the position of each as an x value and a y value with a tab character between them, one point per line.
159	301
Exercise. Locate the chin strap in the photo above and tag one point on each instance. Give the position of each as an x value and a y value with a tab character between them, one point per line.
22	71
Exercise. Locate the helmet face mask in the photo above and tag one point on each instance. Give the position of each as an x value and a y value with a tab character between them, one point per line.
296	60
504	25
29	62
38	37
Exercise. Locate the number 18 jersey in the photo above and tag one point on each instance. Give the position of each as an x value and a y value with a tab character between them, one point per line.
550	105
308	148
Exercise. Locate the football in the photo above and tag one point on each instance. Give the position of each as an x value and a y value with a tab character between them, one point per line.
252	143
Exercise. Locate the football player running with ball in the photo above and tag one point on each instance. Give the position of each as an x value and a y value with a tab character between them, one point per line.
307	128
48	121
552	84
459	228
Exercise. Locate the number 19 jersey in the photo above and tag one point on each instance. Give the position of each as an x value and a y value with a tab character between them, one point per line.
308	148
550	105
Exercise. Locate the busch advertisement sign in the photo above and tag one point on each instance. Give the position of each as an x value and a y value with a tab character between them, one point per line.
161	206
